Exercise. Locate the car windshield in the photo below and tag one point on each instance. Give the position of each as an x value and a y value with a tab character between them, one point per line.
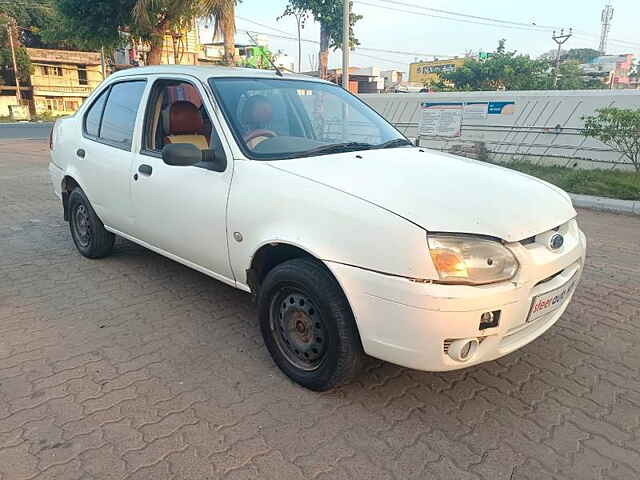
278	119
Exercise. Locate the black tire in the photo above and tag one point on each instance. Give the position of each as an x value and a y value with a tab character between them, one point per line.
326	350
87	230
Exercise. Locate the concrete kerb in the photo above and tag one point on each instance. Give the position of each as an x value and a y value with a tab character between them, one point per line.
630	207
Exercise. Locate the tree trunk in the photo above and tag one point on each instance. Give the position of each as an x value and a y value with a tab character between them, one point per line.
228	25
155	53
323	57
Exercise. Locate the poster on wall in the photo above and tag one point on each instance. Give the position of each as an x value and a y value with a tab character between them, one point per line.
475	110
501	108
441	119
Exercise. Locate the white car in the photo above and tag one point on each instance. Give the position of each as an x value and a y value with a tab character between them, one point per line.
352	239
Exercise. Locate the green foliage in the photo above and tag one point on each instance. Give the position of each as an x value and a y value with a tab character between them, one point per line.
602	183
618	128
38	22
509	70
571	77
6	66
25	68
582	55
328	13
99	23
506	70
93	24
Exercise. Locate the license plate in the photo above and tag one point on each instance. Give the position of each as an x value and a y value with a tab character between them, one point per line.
550	301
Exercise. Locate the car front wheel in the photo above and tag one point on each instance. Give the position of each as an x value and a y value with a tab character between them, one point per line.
308	326
89	235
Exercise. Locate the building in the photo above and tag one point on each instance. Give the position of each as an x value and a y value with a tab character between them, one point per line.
181	48
62	79
429	72
616	71
392	78
361	80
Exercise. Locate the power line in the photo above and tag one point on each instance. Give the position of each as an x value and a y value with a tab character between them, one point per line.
448	18
290	36
465	15
395	62
496	22
263	25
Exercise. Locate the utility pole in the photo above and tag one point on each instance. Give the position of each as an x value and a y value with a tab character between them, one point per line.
10	30
605	18
560	40
345	43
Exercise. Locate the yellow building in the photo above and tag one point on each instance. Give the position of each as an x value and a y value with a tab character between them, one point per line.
182	49
63	79
429	72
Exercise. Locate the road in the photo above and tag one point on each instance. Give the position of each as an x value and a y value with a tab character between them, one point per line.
137	367
12	131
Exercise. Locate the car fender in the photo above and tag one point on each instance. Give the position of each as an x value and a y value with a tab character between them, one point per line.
268	205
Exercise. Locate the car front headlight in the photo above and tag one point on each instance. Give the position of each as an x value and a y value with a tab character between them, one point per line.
461	259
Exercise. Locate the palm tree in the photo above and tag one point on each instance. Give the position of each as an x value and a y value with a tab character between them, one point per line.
155	18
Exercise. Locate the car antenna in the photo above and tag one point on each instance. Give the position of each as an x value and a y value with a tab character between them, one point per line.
268	57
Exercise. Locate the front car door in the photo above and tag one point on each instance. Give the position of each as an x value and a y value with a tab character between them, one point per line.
181	211
105	151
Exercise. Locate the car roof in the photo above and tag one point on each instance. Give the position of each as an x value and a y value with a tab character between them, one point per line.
206	72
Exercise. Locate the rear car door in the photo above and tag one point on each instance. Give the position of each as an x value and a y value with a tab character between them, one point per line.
181	210
105	153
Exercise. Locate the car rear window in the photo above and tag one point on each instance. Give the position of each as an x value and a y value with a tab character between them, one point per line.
92	119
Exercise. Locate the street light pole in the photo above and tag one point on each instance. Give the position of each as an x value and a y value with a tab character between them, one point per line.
345	44
13	57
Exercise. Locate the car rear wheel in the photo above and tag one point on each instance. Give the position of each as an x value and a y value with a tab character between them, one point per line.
89	235
307	325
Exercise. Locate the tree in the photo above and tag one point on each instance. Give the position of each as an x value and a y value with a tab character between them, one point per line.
96	24
508	70
30	17
155	18
329	15
25	68
301	17
99	23
582	55
503	70
618	128
571	77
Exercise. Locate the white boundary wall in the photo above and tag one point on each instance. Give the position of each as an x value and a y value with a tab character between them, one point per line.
544	127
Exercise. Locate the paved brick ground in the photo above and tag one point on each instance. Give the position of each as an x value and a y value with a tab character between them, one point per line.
137	367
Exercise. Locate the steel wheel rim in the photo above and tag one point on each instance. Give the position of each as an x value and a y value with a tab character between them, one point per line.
298	329
82	226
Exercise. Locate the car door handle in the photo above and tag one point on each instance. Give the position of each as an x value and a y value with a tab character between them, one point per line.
145	169
81	153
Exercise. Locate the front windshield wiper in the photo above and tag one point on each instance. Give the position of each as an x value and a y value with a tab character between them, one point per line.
338	148
396	142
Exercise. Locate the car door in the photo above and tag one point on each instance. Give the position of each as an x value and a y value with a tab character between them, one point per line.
104	152
181	210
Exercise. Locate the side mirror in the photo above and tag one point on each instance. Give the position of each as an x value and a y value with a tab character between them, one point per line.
187	155
181	154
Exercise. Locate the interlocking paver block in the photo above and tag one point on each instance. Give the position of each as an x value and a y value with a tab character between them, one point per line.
136	367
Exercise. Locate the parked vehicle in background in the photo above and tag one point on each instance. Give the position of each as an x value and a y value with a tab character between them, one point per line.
351	239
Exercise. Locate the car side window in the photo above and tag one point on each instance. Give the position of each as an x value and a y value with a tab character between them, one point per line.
176	113
94	114
120	112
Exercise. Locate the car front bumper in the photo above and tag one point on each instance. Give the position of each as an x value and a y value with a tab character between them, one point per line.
413	323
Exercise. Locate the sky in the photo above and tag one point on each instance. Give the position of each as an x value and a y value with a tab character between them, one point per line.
417	32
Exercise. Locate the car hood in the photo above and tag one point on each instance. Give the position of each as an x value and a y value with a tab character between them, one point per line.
442	192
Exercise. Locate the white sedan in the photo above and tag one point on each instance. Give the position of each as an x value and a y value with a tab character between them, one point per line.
351	239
